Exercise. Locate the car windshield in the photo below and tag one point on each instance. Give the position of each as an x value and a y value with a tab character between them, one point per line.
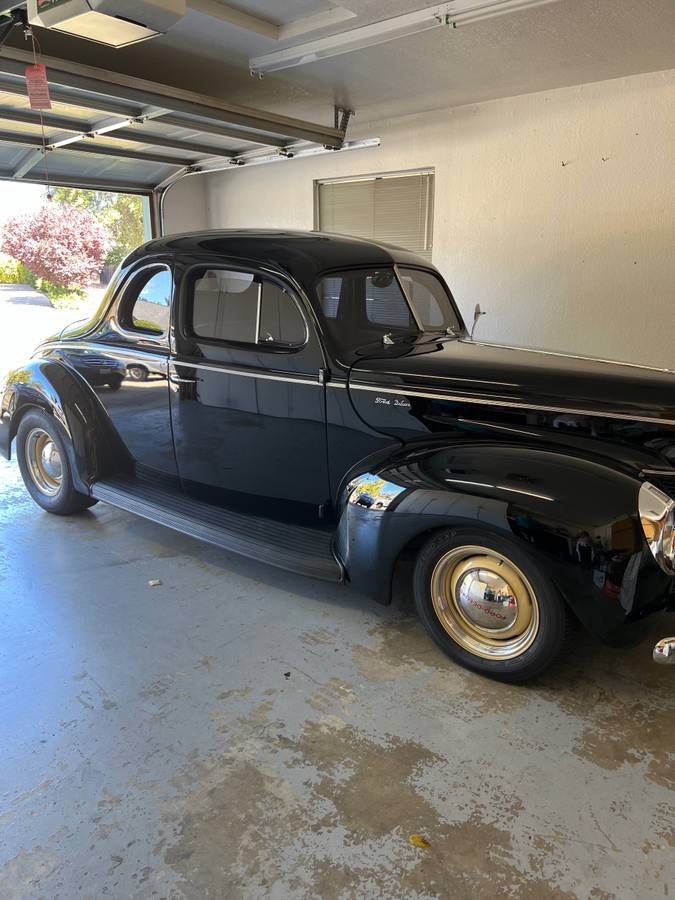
362	306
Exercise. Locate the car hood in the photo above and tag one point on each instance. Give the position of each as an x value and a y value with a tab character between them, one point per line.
465	370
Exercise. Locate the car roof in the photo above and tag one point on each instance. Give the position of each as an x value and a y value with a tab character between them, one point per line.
302	254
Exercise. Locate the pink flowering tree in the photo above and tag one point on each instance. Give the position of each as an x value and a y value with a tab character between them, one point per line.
59	243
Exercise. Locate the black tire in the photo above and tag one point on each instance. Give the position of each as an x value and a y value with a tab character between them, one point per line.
115	385
548	614
64	500
137	373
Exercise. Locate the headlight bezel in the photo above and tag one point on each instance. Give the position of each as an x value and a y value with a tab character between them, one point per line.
657	517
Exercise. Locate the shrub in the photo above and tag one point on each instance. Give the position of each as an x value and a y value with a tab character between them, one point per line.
14	272
59	243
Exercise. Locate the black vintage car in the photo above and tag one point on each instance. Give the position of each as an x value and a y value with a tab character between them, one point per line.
325	410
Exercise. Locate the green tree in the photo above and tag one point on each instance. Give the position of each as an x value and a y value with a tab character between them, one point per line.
120	214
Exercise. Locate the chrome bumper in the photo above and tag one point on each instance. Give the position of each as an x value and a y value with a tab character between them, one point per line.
664	651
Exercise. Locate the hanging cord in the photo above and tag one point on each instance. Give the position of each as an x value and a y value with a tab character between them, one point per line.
37	51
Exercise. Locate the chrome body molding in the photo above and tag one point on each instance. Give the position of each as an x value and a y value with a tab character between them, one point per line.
509	404
249	373
559	353
410	390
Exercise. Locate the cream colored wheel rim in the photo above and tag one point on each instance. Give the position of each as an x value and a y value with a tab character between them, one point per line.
484	602
44	462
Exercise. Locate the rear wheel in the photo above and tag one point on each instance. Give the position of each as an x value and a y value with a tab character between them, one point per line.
488	604
44	465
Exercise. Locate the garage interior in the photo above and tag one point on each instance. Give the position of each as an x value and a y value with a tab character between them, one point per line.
236	731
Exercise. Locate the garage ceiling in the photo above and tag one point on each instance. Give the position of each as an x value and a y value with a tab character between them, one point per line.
160	129
564	43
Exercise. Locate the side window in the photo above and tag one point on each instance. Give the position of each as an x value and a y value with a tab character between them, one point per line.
146	305
243	308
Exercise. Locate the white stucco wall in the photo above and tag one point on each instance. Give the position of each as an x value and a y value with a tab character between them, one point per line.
577	257
185	206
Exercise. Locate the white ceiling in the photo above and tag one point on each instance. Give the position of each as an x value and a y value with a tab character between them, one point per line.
565	43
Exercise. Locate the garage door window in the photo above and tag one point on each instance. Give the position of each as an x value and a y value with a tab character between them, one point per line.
242	308
395	209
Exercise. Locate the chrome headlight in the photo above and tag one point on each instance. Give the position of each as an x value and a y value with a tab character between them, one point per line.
657	514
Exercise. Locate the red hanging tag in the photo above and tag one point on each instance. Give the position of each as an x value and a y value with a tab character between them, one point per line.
38	87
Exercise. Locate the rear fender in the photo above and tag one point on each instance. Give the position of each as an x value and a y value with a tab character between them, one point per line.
94	445
576	517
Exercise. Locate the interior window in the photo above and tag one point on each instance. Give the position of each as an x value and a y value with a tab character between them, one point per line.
243	308
149	311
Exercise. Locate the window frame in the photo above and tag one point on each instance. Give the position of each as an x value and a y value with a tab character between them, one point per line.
186	309
122	306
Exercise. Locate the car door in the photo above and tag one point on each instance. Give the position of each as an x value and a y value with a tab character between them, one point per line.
247	400
136	334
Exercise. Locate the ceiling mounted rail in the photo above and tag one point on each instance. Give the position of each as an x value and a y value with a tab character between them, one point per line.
114	131
63	73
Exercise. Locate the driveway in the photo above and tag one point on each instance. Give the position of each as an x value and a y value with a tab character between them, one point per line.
26	318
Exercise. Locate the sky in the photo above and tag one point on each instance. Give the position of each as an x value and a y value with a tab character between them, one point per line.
18	198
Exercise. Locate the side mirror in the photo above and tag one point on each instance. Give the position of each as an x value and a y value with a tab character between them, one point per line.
477	313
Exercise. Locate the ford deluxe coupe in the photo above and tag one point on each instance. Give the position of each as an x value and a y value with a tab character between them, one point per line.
324	409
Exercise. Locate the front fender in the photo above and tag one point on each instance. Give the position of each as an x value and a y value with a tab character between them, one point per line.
578	518
94	445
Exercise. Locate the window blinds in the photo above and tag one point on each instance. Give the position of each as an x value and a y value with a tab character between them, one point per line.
394	209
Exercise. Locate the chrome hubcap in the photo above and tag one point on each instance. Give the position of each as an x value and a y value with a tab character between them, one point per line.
44	462
484	602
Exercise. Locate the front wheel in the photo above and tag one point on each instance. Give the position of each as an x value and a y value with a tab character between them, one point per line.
44	465
488	605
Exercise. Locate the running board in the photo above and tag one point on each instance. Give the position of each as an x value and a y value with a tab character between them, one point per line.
307	551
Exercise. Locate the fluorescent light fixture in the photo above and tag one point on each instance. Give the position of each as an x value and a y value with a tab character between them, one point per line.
451	15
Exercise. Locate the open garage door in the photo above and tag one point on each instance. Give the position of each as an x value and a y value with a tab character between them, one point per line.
108	131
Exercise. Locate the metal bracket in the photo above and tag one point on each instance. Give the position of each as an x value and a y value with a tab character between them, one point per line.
341	117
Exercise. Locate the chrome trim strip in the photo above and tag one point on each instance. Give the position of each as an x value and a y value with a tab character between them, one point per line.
224	370
658	471
258	312
613	362
362	386
509	404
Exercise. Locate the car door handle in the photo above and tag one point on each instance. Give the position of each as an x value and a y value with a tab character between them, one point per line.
174	379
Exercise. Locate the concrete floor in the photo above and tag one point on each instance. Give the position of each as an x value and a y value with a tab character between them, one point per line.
239	732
